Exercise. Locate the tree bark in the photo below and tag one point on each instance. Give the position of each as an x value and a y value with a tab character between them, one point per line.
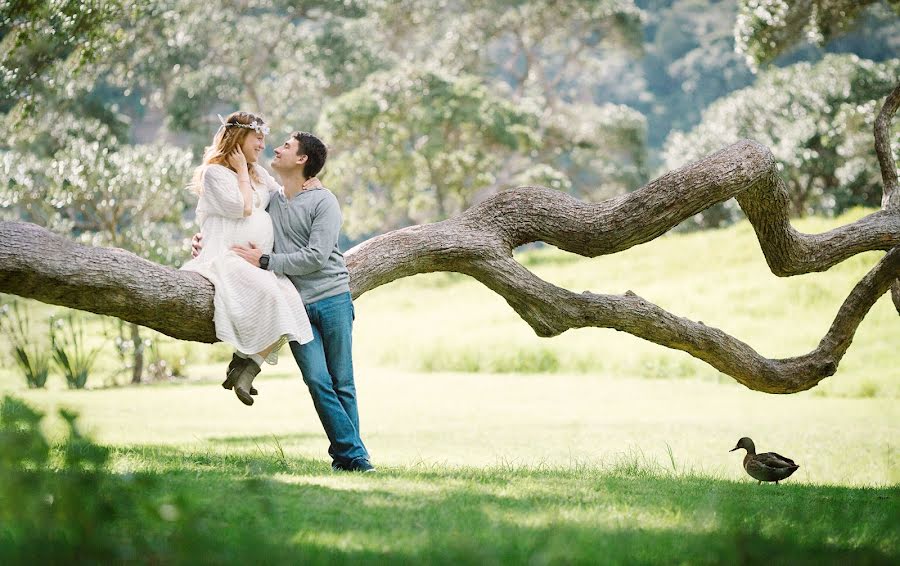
35	263
137	371
891	198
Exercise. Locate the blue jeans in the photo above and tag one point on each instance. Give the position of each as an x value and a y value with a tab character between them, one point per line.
327	367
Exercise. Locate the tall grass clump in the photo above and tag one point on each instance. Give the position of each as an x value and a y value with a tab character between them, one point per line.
70	350
30	354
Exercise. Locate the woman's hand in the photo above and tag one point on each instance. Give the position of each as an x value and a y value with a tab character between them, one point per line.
312	183
237	160
196	244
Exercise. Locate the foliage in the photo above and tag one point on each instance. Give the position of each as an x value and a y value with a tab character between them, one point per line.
72	176
546	50
766	28
164	363
133	198
816	119
44	45
175	56
418	144
540	57
62	505
30	354
72	355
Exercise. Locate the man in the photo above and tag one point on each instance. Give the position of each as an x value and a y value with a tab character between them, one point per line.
307	222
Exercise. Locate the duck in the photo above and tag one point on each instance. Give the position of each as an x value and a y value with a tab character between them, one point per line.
767	466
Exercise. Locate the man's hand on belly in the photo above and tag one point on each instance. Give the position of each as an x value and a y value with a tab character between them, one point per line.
251	253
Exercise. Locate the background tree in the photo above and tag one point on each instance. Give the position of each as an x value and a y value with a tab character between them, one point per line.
767	28
416	145
43	45
818	120
129	197
540	56
189	60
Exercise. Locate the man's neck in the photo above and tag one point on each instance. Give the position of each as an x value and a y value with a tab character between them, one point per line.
293	184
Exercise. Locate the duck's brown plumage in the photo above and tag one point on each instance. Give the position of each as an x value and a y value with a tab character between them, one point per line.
768	466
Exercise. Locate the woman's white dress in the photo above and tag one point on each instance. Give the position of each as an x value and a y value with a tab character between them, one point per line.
254	308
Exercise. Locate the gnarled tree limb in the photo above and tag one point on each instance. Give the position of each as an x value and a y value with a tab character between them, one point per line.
891	198
34	263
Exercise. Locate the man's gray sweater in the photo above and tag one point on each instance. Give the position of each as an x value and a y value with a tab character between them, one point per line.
306	249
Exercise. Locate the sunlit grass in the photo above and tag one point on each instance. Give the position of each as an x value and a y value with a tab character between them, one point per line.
247	506
446	421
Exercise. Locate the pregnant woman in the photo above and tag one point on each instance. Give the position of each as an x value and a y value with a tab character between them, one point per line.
256	311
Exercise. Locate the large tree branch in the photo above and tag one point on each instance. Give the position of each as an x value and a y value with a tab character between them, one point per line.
891	198
34	263
38	264
745	170
890	201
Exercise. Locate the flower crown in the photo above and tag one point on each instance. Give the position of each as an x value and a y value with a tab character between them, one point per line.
258	127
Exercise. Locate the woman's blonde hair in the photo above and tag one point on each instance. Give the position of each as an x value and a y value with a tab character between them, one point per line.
231	134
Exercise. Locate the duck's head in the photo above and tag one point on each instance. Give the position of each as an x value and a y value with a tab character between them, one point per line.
746	444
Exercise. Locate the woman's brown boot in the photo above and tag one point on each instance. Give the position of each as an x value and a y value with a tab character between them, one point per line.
242	379
229	373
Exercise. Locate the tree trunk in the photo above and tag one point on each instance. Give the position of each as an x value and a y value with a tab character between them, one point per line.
138	370
37	264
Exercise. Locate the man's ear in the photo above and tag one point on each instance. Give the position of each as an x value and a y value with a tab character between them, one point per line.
302	159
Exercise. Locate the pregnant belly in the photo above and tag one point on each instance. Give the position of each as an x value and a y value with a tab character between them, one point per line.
256	228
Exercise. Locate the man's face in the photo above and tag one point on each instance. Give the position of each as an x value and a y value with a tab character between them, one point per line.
286	157
253	146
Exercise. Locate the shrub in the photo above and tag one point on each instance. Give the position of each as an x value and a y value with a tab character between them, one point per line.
70	352
29	353
61	504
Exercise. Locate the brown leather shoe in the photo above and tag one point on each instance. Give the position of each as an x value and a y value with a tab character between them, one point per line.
228	384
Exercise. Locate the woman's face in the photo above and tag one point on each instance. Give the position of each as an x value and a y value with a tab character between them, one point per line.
253	146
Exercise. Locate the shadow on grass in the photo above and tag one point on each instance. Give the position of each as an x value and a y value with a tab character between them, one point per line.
265	439
252	507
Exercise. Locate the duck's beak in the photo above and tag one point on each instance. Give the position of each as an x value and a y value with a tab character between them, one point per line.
735	448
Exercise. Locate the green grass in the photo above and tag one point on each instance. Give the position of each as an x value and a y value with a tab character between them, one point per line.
508	469
300	512
467	420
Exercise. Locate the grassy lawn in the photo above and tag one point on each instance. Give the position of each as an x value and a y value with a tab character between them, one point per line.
504	469
248	507
464	420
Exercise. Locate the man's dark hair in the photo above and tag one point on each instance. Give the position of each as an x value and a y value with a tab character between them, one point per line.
316	152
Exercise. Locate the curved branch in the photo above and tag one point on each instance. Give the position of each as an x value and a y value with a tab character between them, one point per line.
891	198
551	310
35	263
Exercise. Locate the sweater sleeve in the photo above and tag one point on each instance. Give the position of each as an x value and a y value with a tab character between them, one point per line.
323	238
221	195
